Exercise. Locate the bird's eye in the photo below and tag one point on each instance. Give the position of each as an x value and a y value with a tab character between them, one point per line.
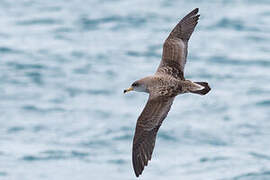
135	84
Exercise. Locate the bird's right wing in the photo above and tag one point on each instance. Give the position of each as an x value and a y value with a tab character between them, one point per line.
147	127
175	47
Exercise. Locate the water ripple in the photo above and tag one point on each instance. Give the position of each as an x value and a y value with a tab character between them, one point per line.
259	156
40	21
254	175
3	173
36	109
214	159
55	155
117	21
15	129
230	61
7	50
20	66
234	24
264	103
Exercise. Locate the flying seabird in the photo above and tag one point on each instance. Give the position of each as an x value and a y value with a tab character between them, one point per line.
163	87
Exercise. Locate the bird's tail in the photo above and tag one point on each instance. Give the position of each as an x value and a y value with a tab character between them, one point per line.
203	91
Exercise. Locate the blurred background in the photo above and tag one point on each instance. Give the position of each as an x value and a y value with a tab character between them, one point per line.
63	68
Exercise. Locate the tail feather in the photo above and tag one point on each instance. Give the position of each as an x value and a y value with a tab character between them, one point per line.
205	90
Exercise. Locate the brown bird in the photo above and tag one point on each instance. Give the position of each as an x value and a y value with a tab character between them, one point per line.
163	86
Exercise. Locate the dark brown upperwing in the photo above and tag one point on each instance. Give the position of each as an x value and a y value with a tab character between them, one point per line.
175	47
147	127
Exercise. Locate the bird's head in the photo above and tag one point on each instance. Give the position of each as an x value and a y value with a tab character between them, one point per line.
139	86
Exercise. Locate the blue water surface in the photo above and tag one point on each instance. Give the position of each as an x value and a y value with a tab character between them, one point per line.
63	68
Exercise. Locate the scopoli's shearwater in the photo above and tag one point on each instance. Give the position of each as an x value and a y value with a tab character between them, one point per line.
163	86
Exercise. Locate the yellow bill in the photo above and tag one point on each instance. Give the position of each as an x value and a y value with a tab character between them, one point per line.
128	89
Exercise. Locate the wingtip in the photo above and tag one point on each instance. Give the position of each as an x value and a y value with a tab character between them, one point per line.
138	168
197	16
138	173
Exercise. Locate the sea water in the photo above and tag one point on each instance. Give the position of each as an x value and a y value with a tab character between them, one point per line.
63	68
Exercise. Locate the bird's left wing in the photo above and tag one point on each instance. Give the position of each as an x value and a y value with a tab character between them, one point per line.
147	127
175	47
